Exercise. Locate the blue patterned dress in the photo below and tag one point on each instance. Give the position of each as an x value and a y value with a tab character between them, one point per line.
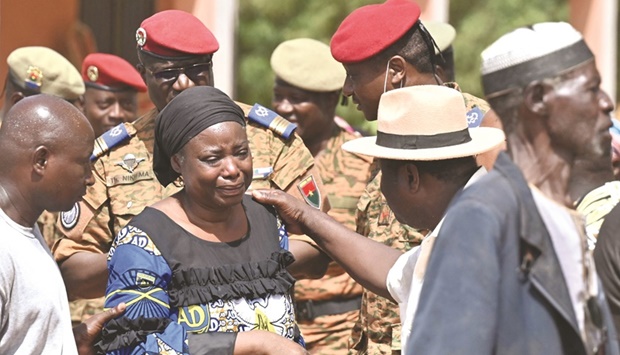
187	295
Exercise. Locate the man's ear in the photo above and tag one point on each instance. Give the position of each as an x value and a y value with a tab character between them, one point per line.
40	159
16	97
79	103
397	69
411	174
440	73
535	97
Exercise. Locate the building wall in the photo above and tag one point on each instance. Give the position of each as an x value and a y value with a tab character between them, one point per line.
34	23
598	21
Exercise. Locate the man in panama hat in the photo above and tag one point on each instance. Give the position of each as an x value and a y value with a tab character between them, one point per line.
427	155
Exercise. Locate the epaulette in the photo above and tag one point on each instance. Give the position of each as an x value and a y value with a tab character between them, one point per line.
109	140
266	118
474	117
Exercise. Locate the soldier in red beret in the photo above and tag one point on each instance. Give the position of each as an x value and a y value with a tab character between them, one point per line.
112	86
175	51
383	47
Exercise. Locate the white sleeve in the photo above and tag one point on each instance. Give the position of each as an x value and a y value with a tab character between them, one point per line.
401	274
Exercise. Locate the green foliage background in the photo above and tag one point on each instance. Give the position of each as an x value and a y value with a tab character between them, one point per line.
263	24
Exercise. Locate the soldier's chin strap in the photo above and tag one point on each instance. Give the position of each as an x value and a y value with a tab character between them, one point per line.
431	45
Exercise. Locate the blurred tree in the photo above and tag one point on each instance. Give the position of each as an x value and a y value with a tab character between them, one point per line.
479	23
263	24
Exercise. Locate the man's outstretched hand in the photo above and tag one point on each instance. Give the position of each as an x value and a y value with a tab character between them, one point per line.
88	332
293	212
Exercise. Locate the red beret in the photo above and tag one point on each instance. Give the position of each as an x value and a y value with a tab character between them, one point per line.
109	71
175	33
370	29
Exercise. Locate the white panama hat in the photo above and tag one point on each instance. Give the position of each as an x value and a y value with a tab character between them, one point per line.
425	122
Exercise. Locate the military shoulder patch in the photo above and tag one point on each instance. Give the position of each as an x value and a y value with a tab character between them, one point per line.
310	192
266	118
68	219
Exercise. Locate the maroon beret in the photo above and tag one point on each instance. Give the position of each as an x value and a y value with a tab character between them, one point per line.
370	29
175	33
109	72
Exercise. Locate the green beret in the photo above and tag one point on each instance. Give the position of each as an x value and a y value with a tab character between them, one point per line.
307	64
443	34
43	70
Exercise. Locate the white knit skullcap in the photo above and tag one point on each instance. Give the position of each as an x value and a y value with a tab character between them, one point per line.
545	41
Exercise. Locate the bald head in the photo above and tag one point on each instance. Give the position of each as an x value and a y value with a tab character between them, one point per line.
42	120
46	144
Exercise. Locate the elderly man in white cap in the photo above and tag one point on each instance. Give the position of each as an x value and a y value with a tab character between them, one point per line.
306	91
519	279
426	151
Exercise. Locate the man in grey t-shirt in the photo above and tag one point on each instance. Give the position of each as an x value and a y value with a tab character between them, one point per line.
42	167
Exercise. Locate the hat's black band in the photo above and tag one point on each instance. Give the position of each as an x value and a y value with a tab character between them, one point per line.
548	66
414	141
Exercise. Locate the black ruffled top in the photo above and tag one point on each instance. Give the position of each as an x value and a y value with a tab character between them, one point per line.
202	271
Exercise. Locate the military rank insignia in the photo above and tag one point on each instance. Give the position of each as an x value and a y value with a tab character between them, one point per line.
92	73
68	219
310	192
141	36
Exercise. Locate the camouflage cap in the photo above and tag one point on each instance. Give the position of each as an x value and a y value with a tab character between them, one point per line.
307	64
443	34
43	70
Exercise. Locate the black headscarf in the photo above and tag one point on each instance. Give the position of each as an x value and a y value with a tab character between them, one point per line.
191	112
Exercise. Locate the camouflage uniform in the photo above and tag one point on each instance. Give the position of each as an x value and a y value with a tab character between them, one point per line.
47	223
344	178
119	194
378	329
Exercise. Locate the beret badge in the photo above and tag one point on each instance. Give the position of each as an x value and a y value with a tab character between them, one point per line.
141	36
34	78
93	73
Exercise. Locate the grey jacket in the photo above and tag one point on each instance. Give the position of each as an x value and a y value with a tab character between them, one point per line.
494	284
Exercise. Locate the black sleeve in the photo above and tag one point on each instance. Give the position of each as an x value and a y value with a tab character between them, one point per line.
607	260
214	343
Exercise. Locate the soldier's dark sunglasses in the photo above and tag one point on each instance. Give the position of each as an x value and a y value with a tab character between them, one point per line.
195	72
